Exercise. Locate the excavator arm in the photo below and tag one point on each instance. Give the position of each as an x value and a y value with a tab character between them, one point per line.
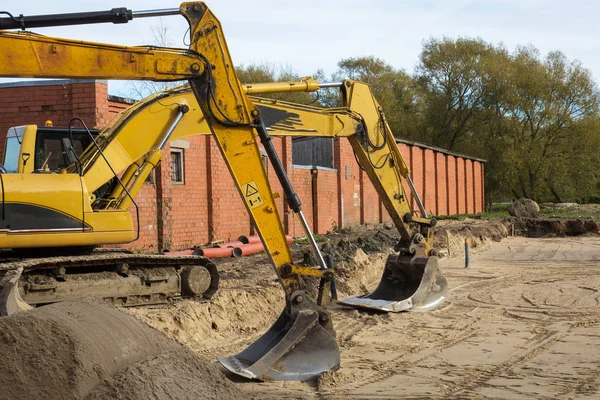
418	283
235	124
206	65
301	343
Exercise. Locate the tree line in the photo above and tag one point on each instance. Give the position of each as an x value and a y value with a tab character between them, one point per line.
534	119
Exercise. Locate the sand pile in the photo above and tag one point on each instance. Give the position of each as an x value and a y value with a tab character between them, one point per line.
92	351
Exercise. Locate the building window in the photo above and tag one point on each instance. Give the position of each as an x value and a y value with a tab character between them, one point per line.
312	151
151	178
177	174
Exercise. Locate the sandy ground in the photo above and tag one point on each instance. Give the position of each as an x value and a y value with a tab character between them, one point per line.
520	323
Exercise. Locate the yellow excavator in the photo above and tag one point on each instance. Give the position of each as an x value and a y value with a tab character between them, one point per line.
52	216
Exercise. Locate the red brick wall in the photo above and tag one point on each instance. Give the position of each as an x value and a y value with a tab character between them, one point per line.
452	196
208	207
429	194
369	202
478	182
441	184
460	186
326	204
469	186
349	186
188	204
417	172
301	179
146	201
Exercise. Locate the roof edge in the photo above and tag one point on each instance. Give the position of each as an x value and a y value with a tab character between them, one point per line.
439	150
49	82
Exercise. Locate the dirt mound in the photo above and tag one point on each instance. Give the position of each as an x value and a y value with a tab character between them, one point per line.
152	378
449	239
556	227
72	350
205	327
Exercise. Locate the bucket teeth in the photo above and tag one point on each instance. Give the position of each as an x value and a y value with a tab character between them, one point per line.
407	284
299	346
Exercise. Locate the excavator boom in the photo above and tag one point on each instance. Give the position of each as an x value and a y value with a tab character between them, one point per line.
99	186
233	121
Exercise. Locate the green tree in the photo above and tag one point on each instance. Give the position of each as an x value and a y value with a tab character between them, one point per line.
394	90
453	75
547	110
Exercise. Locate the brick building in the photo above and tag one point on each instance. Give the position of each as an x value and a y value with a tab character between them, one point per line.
191	199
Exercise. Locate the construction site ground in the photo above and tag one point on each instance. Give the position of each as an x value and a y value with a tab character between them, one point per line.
521	322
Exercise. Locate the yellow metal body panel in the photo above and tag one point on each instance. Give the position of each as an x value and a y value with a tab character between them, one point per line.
49	210
384	166
304	85
28	55
27	150
59	239
219	105
106	221
61	192
230	113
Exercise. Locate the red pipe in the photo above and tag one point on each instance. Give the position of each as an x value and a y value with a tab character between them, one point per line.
214	252
247	239
248	249
256	239
229	244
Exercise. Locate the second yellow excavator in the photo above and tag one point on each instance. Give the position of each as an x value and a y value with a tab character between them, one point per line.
85	202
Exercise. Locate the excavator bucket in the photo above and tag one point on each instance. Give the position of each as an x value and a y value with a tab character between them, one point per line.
407	284
299	346
10	298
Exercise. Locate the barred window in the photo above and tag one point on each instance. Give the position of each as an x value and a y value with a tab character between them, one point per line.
177	173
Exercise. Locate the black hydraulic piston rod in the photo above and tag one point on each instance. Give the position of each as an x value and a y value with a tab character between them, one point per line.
290	194
120	15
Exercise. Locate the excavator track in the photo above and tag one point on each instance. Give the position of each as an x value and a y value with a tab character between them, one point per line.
125	279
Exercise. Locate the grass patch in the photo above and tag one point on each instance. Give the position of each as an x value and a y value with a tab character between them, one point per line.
570	212
499	211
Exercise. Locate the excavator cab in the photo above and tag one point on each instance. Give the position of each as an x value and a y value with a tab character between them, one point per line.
32	148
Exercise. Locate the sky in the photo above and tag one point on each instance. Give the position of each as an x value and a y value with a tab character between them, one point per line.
308	35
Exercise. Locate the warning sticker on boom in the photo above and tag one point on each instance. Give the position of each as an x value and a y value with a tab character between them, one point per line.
252	195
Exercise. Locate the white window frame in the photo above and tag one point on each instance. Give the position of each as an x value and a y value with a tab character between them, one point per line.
181	153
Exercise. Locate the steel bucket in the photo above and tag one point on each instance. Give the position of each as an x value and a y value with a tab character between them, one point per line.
408	284
298	347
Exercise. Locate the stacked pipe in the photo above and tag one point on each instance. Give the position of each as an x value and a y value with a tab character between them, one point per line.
244	246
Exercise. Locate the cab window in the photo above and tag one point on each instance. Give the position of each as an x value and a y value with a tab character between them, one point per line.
13	149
